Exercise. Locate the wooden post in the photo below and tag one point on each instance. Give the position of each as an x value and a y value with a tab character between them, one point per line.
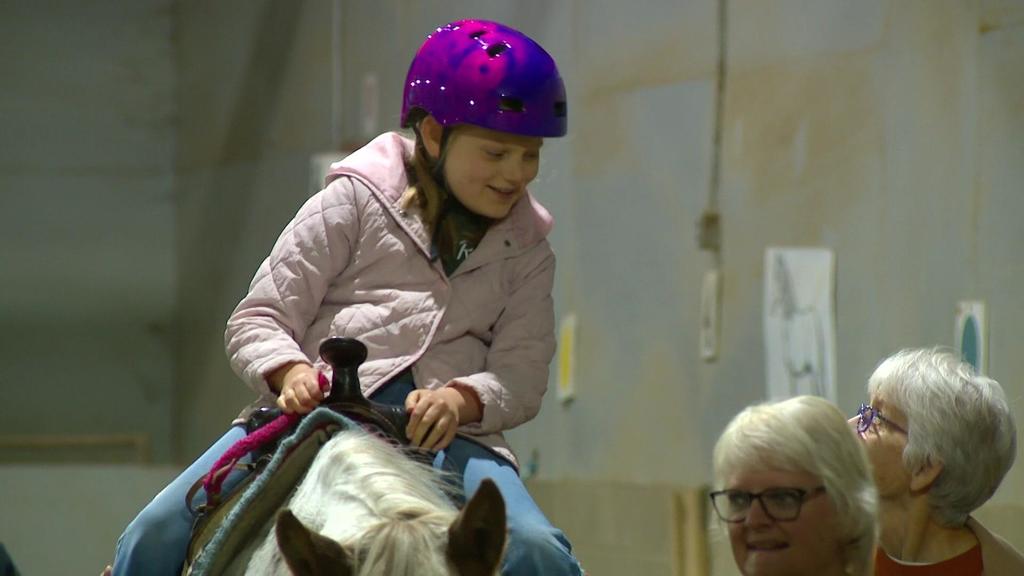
690	556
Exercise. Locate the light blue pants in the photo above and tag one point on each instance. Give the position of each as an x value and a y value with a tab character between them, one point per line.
154	544
534	545
157	539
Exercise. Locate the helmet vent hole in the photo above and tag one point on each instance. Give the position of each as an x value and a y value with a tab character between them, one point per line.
510	104
496	49
476	35
560	109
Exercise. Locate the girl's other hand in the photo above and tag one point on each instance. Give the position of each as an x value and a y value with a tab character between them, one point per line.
299	388
434	417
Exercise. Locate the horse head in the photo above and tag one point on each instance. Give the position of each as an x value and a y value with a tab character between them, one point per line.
476	540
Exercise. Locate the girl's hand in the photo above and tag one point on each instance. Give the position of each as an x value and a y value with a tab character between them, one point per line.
299	388
434	417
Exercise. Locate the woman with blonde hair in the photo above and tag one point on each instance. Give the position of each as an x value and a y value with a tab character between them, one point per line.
795	491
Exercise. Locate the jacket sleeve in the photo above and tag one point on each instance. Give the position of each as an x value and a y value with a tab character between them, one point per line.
264	330
516	376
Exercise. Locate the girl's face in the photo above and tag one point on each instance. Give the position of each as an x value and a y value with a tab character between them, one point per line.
808	545
487	170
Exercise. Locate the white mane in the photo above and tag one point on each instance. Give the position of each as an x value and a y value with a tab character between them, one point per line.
367	496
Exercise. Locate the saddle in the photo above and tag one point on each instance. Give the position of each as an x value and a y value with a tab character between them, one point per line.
345	355
224	526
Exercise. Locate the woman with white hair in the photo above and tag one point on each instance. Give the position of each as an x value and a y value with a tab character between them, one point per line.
940	438
795	491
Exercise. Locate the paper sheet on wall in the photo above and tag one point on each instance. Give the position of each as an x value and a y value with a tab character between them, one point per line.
799	322
972	334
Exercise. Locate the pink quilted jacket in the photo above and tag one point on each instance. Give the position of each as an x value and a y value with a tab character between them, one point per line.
352	263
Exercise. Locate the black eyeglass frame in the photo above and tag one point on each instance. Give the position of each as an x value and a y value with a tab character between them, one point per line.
800	494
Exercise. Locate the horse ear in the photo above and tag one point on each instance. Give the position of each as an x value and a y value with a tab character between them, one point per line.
307	552
476	539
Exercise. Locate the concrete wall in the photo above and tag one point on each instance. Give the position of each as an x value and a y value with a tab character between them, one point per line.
87	270
65	519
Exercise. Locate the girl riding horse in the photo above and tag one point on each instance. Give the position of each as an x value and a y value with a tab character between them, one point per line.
432	252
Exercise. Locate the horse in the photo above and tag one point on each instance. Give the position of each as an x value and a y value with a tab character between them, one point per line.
365	508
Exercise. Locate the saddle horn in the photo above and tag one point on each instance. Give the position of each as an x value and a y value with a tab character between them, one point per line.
346	395
344	355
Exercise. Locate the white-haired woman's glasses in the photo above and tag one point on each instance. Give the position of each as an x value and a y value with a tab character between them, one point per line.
780	504
867	416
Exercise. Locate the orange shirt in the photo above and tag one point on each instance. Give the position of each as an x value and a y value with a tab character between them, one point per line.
966	564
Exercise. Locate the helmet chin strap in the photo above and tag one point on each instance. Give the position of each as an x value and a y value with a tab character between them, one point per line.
436	164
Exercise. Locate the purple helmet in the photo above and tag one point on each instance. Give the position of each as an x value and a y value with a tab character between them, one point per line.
487	74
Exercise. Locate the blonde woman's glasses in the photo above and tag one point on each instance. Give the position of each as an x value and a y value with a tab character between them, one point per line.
780	504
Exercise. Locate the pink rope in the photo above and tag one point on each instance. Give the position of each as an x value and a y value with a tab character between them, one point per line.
269	432
215	478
